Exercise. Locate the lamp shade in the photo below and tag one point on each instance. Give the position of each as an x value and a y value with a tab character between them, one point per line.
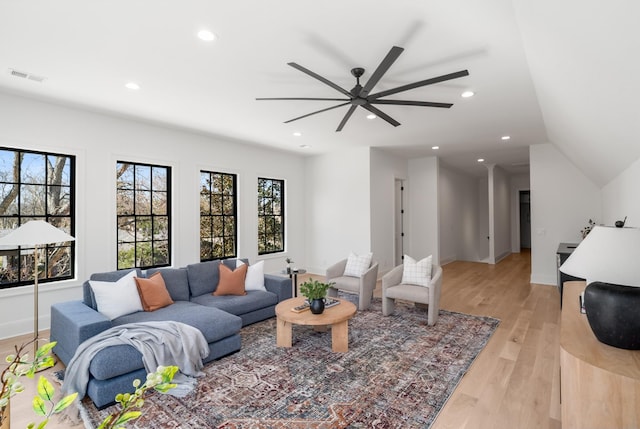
607	254
34	233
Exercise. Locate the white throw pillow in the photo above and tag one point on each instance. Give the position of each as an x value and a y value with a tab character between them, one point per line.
115	299
357	265
416	273
254	280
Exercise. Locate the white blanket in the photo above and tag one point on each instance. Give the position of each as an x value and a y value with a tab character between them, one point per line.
160	343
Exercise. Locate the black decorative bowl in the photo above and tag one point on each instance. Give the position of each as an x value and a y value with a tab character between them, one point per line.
613	312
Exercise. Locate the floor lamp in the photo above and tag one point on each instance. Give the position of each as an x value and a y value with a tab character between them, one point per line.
35	233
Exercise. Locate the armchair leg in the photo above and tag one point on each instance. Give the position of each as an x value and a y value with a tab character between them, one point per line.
388	306
364	301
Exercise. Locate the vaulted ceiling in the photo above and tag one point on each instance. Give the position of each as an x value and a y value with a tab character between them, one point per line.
542	71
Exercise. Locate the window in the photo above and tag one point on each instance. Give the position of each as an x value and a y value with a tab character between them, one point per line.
36	186
218	230
270	216
143	206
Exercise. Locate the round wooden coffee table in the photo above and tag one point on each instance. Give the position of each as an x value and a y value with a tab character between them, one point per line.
337	317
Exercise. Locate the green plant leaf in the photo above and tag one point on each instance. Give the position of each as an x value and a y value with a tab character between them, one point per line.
45	350
105	423
45	389
65	402
43	424
39	407
126	417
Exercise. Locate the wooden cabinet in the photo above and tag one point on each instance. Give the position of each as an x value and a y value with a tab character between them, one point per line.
600	384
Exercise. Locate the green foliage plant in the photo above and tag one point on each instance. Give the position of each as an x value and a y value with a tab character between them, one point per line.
19	365
132	403
313	289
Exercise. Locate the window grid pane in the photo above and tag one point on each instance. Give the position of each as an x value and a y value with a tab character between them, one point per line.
36	186
143	207
218	233
270	216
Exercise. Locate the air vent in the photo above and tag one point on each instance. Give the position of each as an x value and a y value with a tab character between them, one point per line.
25	75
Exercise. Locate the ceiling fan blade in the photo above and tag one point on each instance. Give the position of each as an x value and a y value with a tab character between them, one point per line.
412	103
320	78
381	114
346	117
318	111
388	61
304	98
431	81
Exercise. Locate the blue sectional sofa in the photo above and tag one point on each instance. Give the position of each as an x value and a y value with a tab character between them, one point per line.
219	318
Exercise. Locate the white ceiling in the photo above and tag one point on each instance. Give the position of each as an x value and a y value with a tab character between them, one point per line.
88	50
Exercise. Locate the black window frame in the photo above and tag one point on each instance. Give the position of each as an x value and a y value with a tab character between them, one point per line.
138	213
209	218
19	218
267	214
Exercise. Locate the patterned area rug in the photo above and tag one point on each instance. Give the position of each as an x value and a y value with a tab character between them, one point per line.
398	373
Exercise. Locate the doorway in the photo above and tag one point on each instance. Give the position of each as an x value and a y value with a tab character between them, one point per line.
525	219
399	222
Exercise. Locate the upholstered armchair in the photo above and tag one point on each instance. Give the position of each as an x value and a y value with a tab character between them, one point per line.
392	289
363	285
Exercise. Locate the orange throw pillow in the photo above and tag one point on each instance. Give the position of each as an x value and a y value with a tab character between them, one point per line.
231	281
153	292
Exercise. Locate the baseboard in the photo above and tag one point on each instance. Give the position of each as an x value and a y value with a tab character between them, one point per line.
544	280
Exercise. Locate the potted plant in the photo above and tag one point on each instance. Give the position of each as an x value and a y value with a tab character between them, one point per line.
289	261
315	292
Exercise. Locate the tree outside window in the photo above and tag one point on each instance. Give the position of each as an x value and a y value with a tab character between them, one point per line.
218	226
36	186
270	216
143	201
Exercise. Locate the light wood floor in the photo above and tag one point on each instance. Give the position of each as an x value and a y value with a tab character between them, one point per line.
514	382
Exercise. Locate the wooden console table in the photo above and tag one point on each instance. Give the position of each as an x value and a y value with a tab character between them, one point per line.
600	384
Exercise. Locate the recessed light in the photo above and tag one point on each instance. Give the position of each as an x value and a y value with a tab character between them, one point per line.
297	134
371	116
435	147
206	35
505	137
468	94
304	146
132	85
480	159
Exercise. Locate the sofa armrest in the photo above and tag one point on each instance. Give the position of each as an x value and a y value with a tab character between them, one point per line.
393	277
73	322
279	285
336	270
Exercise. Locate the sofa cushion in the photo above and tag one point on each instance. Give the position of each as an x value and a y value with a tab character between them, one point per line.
253	300
203	277
115	299
153	292
212	322
231	281
112	276
176	281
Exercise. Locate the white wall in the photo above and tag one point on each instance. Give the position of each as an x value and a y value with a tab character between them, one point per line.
98	141
519	182
621	197
458	216
562	202
423	239
482	187
500	207
385	169
338	207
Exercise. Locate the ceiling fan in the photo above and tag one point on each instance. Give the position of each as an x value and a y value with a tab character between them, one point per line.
359	95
